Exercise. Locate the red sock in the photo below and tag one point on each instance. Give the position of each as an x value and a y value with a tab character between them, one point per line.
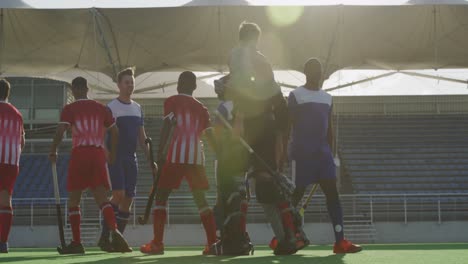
287	216
243	218
6	218
159	220
209	223
109	216
75	222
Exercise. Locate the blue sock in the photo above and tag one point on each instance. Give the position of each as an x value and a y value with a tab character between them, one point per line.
336	215
122	220
105	229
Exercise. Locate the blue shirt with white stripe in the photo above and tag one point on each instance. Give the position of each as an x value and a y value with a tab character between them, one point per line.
129	119
309	111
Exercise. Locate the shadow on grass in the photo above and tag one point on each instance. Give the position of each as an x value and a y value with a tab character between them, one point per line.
30	256
190	255
296	259
454	246
262	256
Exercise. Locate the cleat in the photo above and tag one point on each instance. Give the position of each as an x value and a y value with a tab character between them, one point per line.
273	243
216	249
208	249
230	248
152	248
119	244
3	247
285	248
301	242
70	249
345	246
105	245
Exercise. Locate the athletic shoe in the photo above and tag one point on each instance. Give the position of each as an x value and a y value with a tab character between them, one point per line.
152	248
285	248
345	246
216	249
119	244
273	243
231	248
105	245
208	249
3	247
301	242
72	248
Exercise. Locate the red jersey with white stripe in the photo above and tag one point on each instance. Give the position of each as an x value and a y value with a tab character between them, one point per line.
89	120
192	119
11	132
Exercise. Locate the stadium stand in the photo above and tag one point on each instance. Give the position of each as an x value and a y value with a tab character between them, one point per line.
411	154
395	167
35	178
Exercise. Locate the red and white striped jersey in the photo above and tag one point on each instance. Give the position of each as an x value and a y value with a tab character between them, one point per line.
11	132
89	120
192	119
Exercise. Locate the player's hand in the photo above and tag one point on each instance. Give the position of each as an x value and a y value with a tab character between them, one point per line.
53	157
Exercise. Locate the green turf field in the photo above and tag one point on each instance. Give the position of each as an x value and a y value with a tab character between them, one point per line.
372	254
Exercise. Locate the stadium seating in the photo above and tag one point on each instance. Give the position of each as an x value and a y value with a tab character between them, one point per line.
405	154
35	178
379	155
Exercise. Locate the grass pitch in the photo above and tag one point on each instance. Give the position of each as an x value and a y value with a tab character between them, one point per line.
372	254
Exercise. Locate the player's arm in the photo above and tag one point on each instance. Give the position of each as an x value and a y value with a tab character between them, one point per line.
61	128
210	135
280	109
113	133
330	134
114	141
23	140
292	104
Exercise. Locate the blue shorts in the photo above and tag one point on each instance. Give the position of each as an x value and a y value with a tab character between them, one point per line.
309	170
123	175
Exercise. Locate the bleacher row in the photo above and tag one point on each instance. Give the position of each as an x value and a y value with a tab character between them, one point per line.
35	178
412	154
379	154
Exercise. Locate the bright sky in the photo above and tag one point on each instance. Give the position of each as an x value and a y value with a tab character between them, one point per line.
168	3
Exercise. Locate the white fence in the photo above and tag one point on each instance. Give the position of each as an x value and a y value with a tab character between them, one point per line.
436	207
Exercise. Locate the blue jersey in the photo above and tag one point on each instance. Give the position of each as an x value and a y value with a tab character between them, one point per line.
129	120
309	111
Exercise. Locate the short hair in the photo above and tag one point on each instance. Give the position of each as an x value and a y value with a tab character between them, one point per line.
4	89
187	82
79	83
249	31
313	66
130	71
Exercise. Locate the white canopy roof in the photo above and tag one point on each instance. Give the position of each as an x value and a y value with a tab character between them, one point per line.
60	4
353	83
50	37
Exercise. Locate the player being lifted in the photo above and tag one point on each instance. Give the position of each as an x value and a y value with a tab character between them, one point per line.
11	145
123	172
185	159
310	111
89	121
261	117
231	206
